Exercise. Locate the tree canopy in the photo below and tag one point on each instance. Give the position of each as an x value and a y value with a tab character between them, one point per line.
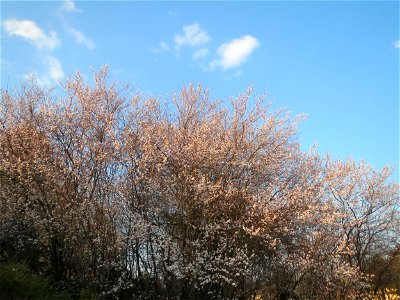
132	198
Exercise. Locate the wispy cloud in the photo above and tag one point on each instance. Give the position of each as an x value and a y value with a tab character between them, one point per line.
235	52
192	36
54	68
45	43
54	72
28	30
41	80
80	37
162	47
172	13
69	6
230	55
200	53
396	44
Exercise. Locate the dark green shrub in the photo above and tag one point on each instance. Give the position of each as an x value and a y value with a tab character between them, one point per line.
18	282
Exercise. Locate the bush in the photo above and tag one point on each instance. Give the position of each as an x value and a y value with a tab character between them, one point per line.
18	282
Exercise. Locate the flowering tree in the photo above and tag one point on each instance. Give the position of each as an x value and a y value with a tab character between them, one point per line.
194	199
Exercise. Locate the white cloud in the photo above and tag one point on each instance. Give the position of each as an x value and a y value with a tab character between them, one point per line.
41	80
53	73
164	46
29	30
201	53
235	52
192	36
69	6
81	38
396	44
55	69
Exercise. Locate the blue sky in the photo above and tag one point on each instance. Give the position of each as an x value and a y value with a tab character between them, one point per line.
337	62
